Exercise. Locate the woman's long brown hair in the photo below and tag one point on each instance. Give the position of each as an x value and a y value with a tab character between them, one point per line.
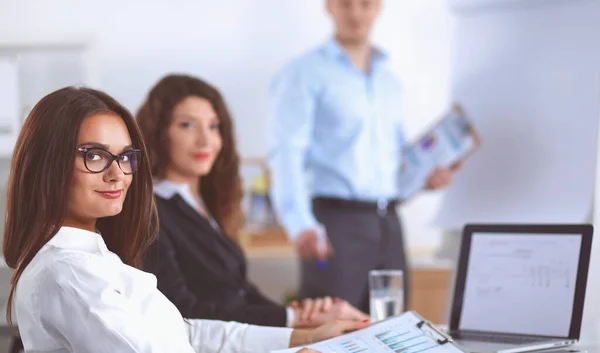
41	171
221	190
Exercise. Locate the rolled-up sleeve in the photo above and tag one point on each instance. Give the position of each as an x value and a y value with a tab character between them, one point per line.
218	336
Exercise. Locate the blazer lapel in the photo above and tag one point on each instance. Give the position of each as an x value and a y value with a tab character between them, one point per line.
236	251
208	236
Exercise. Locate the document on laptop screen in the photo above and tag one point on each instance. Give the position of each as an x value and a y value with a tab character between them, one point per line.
523	284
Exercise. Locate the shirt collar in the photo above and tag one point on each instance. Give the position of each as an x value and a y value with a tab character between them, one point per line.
77	239
335	50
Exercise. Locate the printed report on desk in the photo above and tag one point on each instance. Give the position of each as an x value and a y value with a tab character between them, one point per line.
397	335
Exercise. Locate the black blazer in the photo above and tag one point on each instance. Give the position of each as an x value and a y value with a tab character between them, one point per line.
203	272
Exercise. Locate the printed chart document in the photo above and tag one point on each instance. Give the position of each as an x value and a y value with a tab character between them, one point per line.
451	140
407	333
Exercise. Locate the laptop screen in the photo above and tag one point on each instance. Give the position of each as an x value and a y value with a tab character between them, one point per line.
521	283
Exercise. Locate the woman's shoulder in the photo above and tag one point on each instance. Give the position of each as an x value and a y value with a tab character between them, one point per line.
176	216
160	201
81	274
61	269
165	206
54	274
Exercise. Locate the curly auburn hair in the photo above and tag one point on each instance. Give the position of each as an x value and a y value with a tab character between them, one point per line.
221	190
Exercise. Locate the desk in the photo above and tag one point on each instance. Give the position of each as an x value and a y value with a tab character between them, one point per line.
273	267
581	348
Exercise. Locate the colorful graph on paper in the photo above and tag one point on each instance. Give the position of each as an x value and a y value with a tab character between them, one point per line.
398	335
406	342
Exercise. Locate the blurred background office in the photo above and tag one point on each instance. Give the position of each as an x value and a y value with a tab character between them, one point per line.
526	71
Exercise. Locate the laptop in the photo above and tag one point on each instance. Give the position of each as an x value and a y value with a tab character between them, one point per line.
520	288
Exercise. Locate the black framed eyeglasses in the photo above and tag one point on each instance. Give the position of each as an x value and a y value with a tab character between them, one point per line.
97	159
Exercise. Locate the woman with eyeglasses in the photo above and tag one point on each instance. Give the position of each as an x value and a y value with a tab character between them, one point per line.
79	214
197	260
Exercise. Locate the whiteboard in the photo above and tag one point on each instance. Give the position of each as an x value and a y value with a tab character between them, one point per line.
530	81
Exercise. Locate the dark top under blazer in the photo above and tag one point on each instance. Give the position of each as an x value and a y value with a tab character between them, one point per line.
203	272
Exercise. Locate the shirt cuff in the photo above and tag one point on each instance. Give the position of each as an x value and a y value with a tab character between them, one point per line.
290	317
266	339
295	225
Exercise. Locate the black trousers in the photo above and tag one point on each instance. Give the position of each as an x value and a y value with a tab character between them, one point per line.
364	237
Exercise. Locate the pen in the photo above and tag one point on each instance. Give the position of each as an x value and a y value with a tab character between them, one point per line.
321	245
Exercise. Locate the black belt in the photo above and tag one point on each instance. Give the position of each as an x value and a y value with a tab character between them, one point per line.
380	205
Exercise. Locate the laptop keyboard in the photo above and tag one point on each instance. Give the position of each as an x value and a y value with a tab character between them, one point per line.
482	337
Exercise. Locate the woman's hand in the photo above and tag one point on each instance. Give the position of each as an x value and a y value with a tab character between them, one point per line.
326	331
314	313
310	309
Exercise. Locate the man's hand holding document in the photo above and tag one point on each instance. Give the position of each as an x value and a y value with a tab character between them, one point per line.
428	163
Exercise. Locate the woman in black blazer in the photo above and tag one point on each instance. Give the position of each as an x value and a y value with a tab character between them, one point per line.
197	260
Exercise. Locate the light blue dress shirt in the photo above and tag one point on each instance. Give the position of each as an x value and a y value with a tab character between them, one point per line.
335	131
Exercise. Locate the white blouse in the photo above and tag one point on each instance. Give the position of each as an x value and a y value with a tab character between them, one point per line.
77	296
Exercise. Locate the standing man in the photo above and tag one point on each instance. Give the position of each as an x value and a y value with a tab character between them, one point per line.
336	153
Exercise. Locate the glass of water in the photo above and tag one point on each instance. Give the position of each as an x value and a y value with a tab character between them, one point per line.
386	288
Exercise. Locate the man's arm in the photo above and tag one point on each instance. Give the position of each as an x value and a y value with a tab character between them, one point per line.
293	103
